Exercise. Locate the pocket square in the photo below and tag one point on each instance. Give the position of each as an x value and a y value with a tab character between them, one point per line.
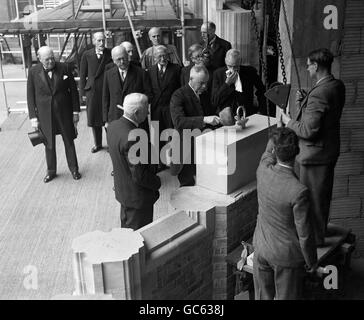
65	77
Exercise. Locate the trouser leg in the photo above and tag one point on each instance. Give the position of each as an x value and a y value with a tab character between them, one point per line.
319	179
263	276
288	283
136	218
71	156
97	134
51	158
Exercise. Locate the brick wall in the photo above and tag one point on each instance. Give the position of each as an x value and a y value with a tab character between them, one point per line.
347	205
186	276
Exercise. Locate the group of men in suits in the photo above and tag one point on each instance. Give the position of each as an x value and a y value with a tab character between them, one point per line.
294	208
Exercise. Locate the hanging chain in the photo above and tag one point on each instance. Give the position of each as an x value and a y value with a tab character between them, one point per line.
279	42
261	59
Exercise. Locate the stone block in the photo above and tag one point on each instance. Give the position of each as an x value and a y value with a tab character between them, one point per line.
227	158
341	186
356	186
350	163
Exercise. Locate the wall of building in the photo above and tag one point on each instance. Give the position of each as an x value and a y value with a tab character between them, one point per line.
306	22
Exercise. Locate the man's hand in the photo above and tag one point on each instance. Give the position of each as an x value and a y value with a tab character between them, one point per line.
106	125
300	95
231	77
285	117
212	120
83	98
34	123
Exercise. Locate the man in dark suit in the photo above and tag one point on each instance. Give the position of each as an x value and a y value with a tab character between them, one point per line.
283	239
92	70
53	105
164	77
217	46
136	182
187	112
129	47
317	124
120	80
200	56
234	84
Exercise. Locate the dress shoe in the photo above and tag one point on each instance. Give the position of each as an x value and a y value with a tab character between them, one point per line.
76	175
49	177
95	149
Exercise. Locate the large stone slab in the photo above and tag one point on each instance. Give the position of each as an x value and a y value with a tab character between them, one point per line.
227	158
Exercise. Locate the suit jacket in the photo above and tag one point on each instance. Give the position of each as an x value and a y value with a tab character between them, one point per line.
224	95
114	91
91	82
317	122
162	89
136	185
186	109
218	52
147	59
205	97
57	97
283	234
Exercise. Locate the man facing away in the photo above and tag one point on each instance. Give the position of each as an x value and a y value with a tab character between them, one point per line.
92	70
136	184
53	105
317	124
283	240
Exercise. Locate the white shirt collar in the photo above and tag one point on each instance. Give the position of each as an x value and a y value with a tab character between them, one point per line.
162	67
123	71
285	166
132	121
238	84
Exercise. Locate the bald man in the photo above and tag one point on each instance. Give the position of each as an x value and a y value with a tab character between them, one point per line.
155	36
217	46
136	183
120	80
92	71
129	47
189	112
53	105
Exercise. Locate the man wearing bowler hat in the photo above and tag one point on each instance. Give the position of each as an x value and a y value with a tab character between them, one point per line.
53	106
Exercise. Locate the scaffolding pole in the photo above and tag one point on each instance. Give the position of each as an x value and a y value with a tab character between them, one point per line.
183	31
132	28
4	88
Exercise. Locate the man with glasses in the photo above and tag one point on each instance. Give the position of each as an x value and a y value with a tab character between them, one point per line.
54	106
155	36
234	84
317	124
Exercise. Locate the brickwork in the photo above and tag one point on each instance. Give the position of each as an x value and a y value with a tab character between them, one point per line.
233	224
348	195
186	276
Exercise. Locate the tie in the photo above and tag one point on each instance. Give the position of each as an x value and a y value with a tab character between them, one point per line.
99	54
161	73
122	76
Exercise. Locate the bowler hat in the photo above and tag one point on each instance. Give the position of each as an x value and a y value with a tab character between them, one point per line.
36	137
